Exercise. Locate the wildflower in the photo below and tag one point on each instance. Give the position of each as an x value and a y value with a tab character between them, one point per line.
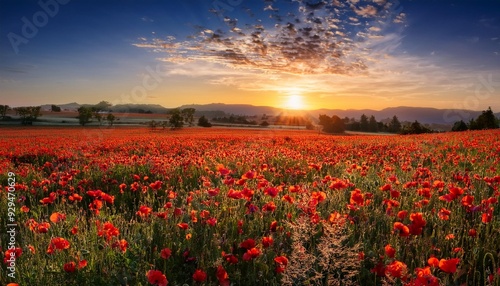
156	277
222	276
281	262
144	211
165	253
449	265
402	229
390	251
122	244
57	243
396	269
70	267
57	217
199	275
267	241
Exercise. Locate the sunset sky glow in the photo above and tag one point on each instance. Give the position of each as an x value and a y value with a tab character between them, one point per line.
305	54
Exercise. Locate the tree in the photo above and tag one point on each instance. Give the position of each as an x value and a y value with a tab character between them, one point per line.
395	125
85	115
459	126
176	120
363	123
111	119
28	113
203	122
188	115
55	108
264	123
331	124
3	110
486	120
372	124
415	128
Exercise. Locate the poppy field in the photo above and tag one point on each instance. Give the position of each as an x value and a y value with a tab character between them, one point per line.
132	206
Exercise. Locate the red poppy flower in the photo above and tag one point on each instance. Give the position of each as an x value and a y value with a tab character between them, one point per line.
390	251
402	229
444	214
155	277
433	261
199	275
165	253
57	217
249	243
70	267
9	253
251	254
267	241
144	211
57	243
396	269
122	244
183	225
281	262
108	230
222	276
449	265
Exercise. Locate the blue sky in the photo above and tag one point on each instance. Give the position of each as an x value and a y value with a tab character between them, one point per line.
323	54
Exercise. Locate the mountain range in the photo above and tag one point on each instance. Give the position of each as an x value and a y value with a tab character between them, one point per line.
424	115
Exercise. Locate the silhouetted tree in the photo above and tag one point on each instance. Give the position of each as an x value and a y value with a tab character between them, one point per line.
176	120
372	124
264	123
415	128
3	110
459	126
395	125
331	124
486	120
363	123
55	108
203	122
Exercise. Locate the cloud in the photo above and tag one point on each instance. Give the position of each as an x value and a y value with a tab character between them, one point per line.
315	49
305	37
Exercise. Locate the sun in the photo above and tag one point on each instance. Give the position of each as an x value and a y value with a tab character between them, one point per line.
294	101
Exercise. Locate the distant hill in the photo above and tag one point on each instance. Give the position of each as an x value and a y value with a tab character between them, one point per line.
424	115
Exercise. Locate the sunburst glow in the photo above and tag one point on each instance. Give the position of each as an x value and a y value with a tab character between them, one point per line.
294	101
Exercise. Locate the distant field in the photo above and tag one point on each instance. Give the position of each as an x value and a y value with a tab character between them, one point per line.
133	206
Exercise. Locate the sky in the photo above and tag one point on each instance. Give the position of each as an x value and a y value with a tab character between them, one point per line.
295	54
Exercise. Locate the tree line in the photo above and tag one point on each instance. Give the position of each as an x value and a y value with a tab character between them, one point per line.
335	124
486	120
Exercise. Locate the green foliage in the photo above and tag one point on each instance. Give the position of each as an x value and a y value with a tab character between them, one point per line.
180	116
111	119
28	113
85	114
